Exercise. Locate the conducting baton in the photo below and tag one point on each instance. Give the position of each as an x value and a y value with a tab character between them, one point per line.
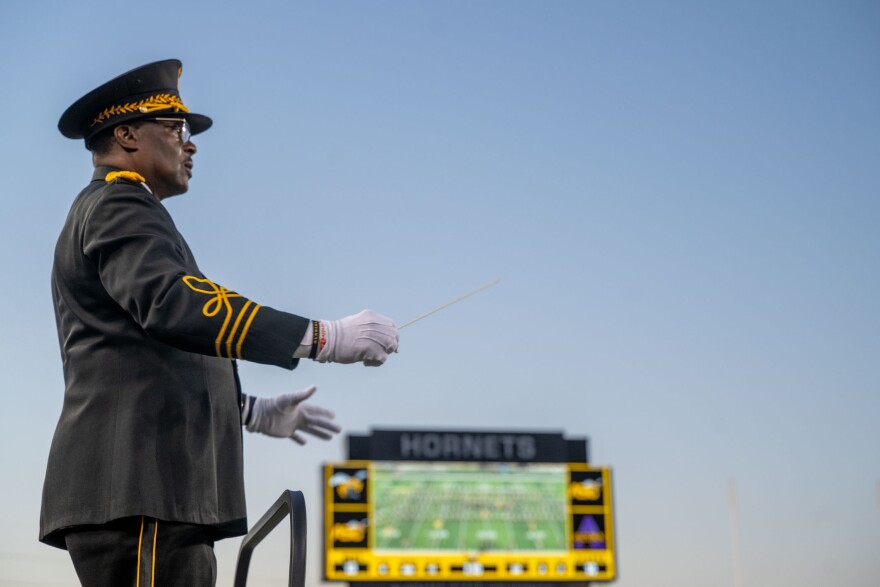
447	304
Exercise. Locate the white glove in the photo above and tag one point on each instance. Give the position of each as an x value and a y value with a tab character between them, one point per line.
282	416
367	337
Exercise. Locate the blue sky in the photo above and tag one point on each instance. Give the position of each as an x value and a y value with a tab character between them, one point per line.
681	200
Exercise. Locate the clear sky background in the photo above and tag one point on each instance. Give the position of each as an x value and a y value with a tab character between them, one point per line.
681	200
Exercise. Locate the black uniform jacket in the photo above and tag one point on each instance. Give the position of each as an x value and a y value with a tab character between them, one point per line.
151	419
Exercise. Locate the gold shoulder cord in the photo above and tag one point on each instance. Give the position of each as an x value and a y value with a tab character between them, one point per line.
129	175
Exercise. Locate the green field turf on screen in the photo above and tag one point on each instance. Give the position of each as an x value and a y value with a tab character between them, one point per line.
469	507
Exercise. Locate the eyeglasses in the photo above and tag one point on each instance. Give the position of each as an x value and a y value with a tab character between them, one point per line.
181	126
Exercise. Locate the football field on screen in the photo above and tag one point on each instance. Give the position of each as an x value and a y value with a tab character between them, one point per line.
464	506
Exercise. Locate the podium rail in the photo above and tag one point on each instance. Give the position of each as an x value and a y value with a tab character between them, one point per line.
292	503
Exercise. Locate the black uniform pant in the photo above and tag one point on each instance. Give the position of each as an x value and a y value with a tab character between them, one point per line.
143	552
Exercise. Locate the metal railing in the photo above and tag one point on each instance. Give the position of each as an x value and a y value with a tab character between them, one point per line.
290	502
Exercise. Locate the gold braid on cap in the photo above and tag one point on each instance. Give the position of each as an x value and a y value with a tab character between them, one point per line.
147	105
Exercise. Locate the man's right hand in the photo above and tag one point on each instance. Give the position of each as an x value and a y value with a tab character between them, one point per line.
365	337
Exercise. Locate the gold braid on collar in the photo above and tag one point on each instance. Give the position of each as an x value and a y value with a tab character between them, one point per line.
129	175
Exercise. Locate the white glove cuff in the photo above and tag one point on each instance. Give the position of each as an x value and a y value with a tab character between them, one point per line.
327	340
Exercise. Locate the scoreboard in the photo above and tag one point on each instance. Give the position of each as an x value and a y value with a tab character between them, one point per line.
465	507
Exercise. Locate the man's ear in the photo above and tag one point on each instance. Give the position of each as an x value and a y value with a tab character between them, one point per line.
127	137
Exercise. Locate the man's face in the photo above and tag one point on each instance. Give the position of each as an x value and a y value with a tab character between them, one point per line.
165	160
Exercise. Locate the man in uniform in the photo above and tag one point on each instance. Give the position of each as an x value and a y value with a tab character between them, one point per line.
145	468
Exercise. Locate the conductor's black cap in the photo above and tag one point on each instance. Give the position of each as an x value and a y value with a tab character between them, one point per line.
149	90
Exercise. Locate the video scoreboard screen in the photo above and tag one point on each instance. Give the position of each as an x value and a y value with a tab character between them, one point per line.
460	521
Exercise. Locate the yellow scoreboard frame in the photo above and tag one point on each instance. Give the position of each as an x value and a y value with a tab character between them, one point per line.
350	553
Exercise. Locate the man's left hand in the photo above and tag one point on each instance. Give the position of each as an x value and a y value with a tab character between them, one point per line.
286	415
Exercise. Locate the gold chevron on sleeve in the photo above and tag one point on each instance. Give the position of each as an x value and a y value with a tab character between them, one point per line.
219	300
247	326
